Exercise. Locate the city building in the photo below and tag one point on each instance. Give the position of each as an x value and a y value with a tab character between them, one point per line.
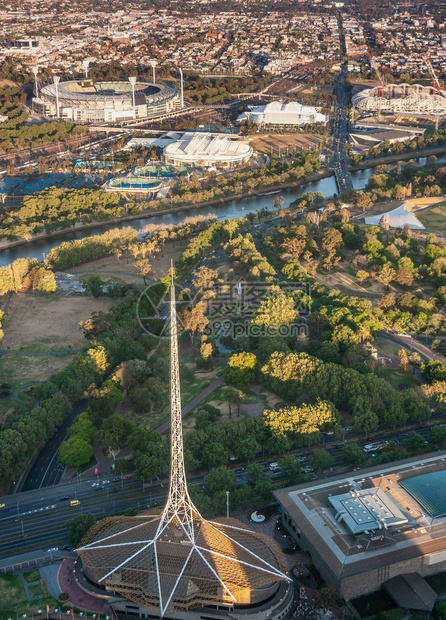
366	139
90	101
175	564
278	114
381	527
207	151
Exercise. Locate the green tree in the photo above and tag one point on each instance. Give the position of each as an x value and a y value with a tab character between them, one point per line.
220	479
365	422
290	465
149	466
415	442
437	436
92	285
78	527
241	369
320	460
353	455
433	370
246	448
278	309
75	451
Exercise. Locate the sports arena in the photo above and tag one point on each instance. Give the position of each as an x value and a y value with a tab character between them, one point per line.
89	101
402	98
207	151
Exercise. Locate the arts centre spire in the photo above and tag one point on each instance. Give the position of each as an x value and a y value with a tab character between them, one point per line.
176	560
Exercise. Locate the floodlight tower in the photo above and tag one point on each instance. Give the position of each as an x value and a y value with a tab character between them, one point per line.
86	64
181	87
56	82
132	80
153	64
36	86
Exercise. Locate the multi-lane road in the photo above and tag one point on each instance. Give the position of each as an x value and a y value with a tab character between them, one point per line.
46	470
38	518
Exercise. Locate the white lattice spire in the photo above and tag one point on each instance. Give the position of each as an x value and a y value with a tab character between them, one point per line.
179	507
176	557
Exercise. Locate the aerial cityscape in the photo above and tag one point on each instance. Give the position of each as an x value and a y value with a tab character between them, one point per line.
223	310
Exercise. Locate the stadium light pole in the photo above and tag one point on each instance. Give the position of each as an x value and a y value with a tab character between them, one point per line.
181	87
36	71
132	80
56	82
86	64
153	64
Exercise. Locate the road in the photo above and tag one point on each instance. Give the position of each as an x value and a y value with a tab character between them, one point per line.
408	342
38	518
340	159
46	469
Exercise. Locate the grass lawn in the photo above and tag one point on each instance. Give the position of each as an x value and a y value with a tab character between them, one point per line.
7	407
434	218
21	369
34	575
13	598
395	377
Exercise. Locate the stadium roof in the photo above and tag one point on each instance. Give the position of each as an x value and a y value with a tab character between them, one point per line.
278	113
193	147
398	218
430	492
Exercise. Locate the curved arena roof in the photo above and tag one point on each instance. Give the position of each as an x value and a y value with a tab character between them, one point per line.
193	148
222	563
413	98
278	113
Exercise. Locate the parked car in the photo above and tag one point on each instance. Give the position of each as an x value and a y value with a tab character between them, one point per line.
63	498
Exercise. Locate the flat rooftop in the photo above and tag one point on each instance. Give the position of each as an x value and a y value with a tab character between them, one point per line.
366	510
350	550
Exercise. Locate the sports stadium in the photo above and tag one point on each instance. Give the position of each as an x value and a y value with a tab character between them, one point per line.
207	151
408	98
89	101
278	114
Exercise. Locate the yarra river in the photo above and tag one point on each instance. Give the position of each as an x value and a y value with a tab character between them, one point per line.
234	208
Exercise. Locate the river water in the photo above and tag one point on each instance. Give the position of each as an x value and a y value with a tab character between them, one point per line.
235	208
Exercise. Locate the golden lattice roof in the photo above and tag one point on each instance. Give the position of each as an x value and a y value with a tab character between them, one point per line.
170	571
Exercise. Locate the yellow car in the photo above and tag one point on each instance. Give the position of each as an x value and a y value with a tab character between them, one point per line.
2	505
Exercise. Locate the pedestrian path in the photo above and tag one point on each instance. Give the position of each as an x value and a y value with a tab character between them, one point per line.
67	582
49	573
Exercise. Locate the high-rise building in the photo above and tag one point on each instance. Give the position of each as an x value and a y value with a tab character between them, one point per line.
176	564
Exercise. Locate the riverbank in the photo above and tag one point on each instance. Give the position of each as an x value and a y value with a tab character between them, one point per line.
313	177
396	157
